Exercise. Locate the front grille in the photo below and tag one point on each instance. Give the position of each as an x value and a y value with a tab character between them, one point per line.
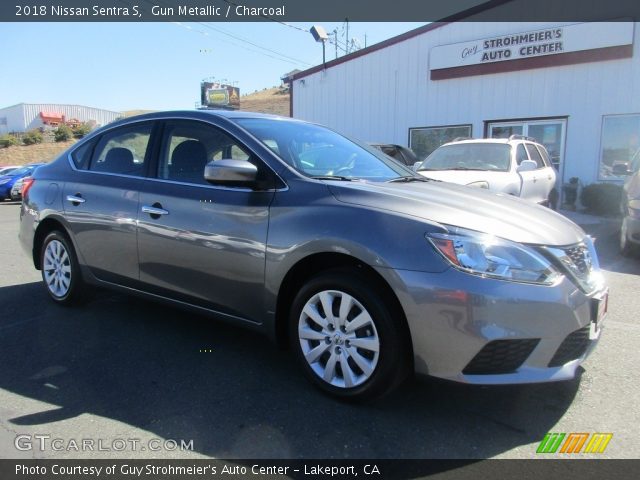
579	262
581	258
501	356
572	348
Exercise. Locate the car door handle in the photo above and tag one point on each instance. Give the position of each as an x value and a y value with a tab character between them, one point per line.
75	199
154	211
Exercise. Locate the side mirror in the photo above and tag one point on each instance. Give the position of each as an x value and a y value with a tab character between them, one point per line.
620	170
416	166
231	172
527	166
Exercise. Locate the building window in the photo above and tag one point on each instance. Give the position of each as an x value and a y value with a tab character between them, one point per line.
620	142
425	140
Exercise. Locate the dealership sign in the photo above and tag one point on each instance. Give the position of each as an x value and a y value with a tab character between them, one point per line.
517	46
219	95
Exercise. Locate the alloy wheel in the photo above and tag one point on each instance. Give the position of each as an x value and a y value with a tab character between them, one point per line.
57	268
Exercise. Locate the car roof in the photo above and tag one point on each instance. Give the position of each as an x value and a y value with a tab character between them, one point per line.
503	141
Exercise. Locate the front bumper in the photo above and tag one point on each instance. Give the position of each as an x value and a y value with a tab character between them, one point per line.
485	331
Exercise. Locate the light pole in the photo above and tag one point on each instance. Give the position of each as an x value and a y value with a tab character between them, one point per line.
320	35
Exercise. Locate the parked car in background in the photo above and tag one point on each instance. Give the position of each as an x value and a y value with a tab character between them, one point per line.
366	269
630	229
8	168
7	181
517	166
16	190
402	154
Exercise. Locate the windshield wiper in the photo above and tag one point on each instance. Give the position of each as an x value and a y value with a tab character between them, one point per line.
333	177
467	168
408	178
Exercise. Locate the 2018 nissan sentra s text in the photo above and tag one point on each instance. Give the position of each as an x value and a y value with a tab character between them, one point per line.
366	269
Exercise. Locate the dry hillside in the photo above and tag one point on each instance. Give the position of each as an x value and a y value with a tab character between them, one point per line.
269	100
41	152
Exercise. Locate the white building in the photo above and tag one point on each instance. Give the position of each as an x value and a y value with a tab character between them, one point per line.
575	87
26	116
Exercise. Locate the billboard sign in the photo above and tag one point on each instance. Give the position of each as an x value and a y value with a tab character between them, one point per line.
219	95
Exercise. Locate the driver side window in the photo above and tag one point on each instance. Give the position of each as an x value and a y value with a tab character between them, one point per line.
188	146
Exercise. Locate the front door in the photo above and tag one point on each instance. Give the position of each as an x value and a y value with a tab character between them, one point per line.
197	242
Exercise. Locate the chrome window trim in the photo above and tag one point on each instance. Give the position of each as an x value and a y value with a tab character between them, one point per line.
164	118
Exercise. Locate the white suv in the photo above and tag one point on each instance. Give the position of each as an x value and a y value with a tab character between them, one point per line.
517	166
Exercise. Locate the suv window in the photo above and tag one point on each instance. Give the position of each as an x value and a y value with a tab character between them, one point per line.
534	154
521	154
188	146
545	156
122	150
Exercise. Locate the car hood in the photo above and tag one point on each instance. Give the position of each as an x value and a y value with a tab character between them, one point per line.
466	207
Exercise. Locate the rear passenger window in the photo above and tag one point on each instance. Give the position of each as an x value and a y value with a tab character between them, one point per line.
535	155
122	151
521	154
81	156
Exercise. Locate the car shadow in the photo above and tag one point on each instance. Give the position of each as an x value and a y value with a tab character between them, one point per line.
231	391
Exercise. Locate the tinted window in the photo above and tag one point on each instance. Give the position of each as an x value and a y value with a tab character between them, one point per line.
469	156
81	156
122	151
189	146
534	154
521	154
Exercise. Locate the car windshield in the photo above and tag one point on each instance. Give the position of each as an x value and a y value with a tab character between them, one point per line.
316	151
469	156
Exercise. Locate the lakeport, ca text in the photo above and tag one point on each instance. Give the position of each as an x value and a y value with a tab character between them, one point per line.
201	470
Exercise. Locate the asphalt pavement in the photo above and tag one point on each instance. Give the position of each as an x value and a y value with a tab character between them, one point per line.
124	372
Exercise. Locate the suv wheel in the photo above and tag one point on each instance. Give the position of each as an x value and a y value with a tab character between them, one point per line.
346	338
60	269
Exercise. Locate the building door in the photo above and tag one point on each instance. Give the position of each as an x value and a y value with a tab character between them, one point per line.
550	133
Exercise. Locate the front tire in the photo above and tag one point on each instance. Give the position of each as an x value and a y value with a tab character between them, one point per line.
60	269
346	337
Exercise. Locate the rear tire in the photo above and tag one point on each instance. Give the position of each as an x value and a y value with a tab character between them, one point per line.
358	351
60	270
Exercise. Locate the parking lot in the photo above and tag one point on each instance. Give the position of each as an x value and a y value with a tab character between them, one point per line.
125	368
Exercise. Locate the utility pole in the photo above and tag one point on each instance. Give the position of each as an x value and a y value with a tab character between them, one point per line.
335	40
347	39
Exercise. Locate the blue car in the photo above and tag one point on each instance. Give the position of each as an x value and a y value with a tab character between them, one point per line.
7	181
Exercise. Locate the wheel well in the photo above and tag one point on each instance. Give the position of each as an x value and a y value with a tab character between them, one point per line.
45	227
320	262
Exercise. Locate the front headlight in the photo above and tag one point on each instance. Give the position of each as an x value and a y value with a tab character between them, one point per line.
480	184
489	256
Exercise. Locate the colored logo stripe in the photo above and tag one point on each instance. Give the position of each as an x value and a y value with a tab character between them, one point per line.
550	443
598	442
574	443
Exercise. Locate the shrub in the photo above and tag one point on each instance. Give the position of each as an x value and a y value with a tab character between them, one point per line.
602	198
32	137
8	141
62	133
82	129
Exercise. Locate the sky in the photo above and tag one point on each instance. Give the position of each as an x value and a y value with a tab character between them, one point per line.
158	66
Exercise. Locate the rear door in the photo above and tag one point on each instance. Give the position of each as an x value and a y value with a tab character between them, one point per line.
197	242
101	206
542	176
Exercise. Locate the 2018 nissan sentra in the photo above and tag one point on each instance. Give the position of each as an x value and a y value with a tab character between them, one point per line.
366	269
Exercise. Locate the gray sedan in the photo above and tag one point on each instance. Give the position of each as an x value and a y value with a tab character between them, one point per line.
366	270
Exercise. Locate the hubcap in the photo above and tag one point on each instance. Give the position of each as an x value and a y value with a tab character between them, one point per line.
57	268
338	338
